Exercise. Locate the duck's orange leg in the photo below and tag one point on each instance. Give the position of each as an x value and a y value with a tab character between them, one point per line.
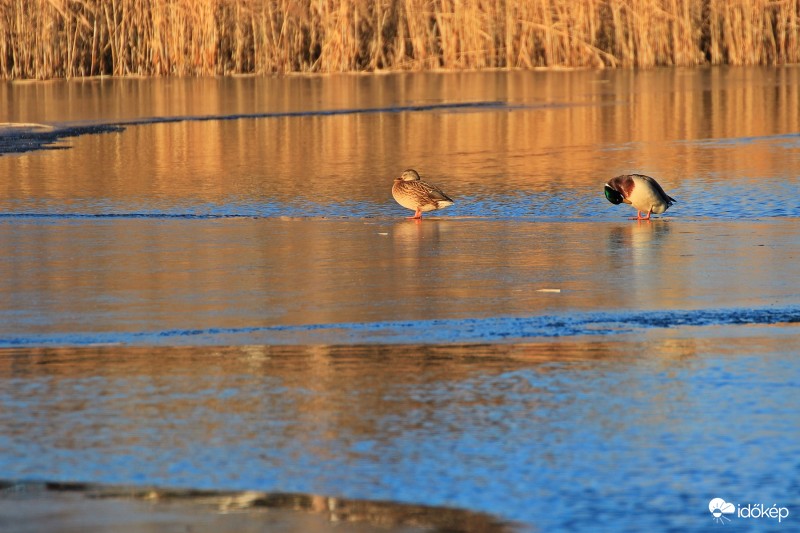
417	215
640	217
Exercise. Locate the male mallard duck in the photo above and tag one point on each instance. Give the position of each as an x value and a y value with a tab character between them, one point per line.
642	192
413	193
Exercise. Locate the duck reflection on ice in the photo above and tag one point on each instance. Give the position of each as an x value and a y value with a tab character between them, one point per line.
639	253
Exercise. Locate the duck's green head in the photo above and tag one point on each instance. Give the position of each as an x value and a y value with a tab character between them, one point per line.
613	196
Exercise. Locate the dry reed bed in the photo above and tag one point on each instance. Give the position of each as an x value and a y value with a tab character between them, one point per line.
66	38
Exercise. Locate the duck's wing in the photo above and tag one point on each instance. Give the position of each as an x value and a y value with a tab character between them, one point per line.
664	196
432	192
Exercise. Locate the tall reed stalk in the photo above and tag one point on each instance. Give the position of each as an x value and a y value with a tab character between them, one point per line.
66	38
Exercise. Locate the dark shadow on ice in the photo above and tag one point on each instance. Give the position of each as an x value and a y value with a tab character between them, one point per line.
18	138
21	138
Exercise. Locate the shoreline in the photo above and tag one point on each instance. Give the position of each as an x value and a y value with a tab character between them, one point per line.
28	506
376	73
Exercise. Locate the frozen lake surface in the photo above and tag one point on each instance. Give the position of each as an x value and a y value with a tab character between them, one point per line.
206	284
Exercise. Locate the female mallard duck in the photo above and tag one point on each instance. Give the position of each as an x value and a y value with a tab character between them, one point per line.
413	193
642	192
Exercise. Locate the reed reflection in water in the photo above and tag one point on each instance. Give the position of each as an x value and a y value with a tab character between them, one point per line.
557	435
249	281
714	137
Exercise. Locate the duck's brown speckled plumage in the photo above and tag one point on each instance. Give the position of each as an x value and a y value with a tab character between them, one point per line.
412	193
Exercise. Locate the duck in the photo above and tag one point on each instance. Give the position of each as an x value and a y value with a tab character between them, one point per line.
642	192
412	193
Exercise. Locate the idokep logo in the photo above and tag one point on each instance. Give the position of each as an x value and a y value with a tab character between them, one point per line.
719	508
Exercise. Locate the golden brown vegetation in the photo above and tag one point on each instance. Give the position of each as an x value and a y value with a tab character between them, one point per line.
65	38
